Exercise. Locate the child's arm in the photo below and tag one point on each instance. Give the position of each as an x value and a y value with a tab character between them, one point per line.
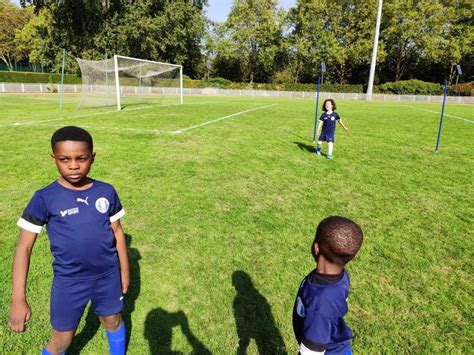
342	124
20	311
122	255
319	129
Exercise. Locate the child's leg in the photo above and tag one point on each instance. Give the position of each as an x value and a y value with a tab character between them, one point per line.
115	331
330	147
318	149
59	342
108	303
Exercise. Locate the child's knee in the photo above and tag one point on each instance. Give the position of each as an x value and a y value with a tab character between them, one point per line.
60	341
112	322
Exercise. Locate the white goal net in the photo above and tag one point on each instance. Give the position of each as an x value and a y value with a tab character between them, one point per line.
124	82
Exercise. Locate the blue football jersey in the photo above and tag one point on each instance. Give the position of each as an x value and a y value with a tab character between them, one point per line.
329	122
318	315
78	224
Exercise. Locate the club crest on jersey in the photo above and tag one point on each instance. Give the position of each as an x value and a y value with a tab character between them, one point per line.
102	205
332	118
300	309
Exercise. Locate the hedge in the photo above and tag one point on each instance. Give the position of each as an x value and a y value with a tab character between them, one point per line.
411	87
28	77
404	87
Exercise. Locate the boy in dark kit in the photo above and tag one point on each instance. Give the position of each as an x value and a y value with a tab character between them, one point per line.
321	302
82	218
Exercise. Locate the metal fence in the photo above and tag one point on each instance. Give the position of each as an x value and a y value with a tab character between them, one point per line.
54	88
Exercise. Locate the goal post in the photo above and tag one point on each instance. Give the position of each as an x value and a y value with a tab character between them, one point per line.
125	81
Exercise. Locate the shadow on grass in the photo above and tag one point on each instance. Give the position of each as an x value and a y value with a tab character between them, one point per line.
254	319
92	323
159	326
303	146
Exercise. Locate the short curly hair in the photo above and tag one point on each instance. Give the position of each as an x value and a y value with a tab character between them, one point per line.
339	239
72	133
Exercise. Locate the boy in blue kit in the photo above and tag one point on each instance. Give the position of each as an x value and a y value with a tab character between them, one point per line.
321	302
327	124
82	218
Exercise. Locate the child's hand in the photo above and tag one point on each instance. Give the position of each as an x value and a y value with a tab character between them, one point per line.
346	129
20	313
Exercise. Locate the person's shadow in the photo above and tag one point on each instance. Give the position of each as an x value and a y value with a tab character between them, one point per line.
254	319
159	326
92	323
307	147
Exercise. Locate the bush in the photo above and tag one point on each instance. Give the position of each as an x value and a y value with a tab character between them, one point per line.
411	87
29	77
463	89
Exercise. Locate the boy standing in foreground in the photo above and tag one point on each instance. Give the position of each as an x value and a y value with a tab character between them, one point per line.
82	218
321	302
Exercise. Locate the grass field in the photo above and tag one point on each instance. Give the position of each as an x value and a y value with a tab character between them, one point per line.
220	219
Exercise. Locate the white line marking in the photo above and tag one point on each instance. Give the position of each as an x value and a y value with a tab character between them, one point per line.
439	113
99	114
222	118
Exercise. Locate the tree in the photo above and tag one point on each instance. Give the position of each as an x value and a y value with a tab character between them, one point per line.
455	37
34	39
251	39
339	35
12	19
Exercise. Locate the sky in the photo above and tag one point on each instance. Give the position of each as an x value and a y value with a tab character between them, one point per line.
219	9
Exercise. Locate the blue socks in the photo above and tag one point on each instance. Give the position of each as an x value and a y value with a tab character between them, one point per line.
117	340
46	352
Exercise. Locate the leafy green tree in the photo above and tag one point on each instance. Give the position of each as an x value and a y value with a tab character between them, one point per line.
34	39
455	37
250	40
338	33
12	19
409	30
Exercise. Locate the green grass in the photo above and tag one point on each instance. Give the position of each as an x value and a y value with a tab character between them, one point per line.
240	199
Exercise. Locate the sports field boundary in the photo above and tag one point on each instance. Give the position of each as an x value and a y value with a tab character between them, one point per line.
438	113
69	88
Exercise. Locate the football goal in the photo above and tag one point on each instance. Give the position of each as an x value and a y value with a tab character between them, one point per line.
123	81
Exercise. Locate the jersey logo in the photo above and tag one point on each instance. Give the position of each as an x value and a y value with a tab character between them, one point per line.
102	205
69	212
300	309
82	200
332	118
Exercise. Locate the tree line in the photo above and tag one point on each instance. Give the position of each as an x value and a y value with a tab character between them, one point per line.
258	42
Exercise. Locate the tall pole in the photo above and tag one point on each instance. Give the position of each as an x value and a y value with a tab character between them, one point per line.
181	84
374	52
117	82
442	114
318	88
62	81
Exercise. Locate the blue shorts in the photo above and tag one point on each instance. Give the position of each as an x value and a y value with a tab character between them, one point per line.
327	137
69	298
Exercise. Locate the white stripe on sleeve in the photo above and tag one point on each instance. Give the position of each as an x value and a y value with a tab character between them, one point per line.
117	216
305	351
30	227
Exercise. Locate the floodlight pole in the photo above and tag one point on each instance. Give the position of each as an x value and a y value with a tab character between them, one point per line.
181	84
62	81
374	52
117	83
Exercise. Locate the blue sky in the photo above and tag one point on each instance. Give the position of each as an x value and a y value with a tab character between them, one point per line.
219	9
